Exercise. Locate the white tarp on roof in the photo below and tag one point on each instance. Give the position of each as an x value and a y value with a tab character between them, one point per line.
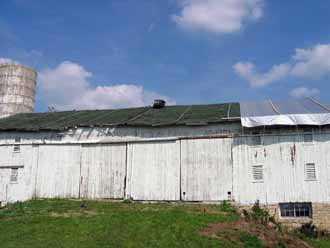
307	111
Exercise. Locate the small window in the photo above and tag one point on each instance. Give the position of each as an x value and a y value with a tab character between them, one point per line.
256	139
14	175
17	146
308	135
310	172
296	209
258	173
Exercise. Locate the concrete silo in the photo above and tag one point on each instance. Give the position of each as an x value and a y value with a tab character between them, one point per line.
17	89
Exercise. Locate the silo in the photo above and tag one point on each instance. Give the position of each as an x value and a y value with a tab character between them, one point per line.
17	89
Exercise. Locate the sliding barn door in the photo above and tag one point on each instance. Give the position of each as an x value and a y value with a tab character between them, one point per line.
153	171
206	169
103	169
58	173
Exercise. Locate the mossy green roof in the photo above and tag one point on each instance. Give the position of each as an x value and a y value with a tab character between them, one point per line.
143	116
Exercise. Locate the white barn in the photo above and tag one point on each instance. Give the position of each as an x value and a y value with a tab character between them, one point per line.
273	154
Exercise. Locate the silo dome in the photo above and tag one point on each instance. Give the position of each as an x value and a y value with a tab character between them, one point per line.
17	89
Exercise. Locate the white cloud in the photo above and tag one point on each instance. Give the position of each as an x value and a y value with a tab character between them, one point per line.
248	71
304	92
218	16
67	86
7	61
310	63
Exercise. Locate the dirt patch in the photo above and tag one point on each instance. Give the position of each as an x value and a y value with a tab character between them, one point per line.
189	208
211	209
72	213
270	237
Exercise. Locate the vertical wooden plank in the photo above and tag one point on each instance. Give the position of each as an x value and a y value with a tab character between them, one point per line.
206	169
103	171
284	158
58	173
154	171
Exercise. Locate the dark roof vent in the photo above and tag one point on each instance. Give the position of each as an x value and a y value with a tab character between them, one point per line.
159	103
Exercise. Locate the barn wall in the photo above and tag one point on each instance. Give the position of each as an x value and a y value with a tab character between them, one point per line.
170	169
58	174
116	134
8	157
27	174
25	161
206	169
4	184
283	159
103	170
153	171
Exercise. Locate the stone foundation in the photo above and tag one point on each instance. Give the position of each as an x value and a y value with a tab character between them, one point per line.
320	215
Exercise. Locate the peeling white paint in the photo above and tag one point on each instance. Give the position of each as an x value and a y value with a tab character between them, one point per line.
58	174
163	166
103	169
283	159
153	171
206	169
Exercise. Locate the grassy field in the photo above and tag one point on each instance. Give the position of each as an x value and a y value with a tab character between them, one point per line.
64	223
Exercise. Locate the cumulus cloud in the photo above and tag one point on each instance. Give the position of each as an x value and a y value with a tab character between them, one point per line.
7	61
248	71
310	63
304	92
68	86
218	16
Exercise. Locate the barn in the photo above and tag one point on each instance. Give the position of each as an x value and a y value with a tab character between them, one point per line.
274	153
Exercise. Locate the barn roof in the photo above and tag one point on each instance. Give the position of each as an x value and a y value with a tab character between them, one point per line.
143	116
305	111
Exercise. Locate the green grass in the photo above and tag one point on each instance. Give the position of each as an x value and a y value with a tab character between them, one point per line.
237	239
250	241
319	243
62	223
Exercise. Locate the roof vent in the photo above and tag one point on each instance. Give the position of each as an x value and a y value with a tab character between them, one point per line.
159	103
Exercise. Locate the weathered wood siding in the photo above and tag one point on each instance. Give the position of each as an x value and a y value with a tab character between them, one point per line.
26	162
103	169
8	157
4	182
283	158
153	171
58	173
126	163
24	189
206	169
114	134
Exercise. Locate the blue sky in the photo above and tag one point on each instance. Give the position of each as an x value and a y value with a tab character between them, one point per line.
119	53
